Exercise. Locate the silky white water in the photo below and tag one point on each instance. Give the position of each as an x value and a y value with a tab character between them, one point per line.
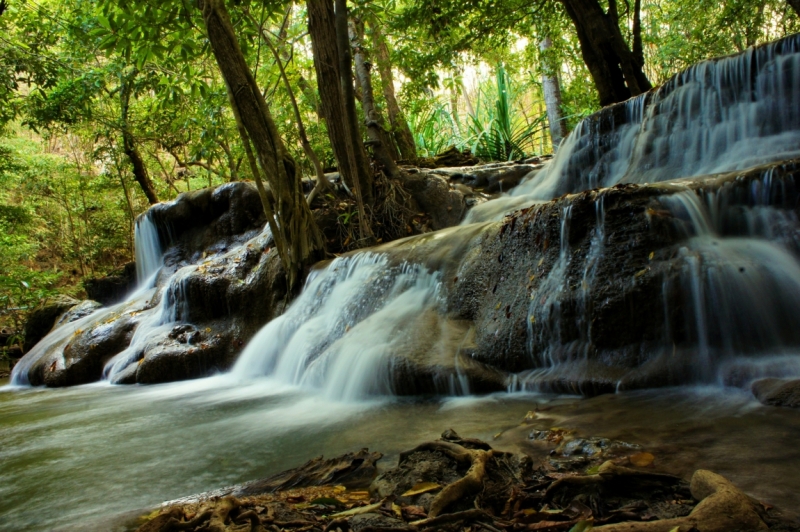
717	116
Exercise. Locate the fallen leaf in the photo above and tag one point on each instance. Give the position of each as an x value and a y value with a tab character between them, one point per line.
327	501
422	487
582	526
652	254
397	511
413	513
641	459
529	417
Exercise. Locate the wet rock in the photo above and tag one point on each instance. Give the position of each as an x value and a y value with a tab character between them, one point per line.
778	392
581	292
85	354
189	355
42	319
208	221
112	288
445	205
81	310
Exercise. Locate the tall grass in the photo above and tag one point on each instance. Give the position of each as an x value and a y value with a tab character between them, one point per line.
495	130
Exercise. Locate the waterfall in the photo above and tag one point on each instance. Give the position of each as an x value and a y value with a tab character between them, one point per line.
148	262
742	287
717	116
148	248
341	333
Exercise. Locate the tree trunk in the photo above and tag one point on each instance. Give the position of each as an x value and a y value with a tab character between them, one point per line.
322	29
356	156
372	117
795	4
296	231
552	96
400	130
322	181
129	145
614	68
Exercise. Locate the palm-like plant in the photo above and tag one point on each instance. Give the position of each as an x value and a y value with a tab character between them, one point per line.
497	132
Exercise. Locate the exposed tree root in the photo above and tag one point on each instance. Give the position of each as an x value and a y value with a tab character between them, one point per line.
508	494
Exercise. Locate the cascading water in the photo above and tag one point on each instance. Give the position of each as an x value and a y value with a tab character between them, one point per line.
148	249
340	333
728	114
741	283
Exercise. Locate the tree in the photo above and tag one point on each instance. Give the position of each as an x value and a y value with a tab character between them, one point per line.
616	70
129	144
551	87
399	124
322	30
372	117
296	234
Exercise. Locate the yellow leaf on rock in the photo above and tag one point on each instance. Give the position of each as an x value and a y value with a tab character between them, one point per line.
641	459
397	511
422	487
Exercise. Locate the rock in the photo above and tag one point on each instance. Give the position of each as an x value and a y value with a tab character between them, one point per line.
433	193
42	319
112	288
208	221
453	157
85	355
81	310
778	392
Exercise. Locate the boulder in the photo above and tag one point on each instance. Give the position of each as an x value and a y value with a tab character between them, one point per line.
112	288
42	319
778	392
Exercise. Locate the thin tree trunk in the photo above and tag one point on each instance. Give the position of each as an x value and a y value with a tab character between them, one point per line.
400	130
322	181
322	29
372	117
129	145
302	82
552	96
362	189
616	73
638	47
297	232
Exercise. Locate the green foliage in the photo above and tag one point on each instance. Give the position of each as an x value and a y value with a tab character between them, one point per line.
499	132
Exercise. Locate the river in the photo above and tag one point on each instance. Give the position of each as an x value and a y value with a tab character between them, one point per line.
92	457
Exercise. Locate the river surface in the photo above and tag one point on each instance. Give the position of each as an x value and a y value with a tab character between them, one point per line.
88	457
